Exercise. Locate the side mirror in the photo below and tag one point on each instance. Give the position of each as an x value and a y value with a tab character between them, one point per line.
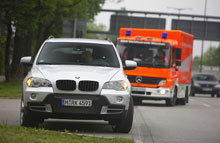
178	63
130	65
178	53
176	68
26	61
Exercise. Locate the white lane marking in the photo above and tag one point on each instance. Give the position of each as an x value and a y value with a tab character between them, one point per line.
207	105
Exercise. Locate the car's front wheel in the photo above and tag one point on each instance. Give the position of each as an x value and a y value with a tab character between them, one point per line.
26	119
124	125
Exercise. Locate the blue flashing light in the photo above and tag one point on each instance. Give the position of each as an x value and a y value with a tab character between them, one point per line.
128	32
164	35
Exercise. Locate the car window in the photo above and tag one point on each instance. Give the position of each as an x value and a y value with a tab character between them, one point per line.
66	53
204	77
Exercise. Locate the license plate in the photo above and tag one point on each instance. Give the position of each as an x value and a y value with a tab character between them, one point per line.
207	89
73	102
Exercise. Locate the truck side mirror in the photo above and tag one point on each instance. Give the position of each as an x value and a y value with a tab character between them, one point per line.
178	53
176	68
178	56
178	63
130	65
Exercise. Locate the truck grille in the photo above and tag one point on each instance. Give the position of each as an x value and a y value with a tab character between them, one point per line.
66	84
146	80
88	85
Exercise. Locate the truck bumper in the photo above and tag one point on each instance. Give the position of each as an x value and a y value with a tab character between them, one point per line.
152	93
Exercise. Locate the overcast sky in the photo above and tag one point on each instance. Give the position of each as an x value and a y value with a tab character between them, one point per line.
197	7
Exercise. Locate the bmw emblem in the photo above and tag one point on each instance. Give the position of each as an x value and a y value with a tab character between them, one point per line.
139	79
77	77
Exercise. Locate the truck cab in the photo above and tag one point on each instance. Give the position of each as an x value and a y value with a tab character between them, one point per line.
164	61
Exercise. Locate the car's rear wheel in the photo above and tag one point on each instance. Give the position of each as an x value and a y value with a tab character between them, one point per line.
124	125
212	95
26	119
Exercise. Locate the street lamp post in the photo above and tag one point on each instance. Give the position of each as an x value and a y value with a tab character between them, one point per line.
179	11
201	60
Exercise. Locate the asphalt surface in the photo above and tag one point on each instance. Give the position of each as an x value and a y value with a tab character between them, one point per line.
197	122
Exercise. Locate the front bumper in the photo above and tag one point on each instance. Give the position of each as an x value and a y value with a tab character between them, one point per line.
49	105
152	93
201	90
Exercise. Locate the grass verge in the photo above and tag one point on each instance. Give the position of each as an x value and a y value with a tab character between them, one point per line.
15	134
12	89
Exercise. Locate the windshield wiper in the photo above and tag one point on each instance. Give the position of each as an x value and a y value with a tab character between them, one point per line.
45	63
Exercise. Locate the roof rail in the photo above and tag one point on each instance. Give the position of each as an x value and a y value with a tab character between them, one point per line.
50	37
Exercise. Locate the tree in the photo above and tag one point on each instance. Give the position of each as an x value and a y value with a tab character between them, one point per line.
34	21
95	27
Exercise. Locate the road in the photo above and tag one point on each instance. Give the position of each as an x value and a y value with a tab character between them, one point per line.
197	122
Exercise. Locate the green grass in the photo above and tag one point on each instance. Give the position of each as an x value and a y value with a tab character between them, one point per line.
12	89
17	134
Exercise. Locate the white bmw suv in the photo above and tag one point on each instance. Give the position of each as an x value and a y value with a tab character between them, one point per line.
77	79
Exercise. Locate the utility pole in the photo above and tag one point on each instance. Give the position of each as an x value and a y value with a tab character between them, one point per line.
201	60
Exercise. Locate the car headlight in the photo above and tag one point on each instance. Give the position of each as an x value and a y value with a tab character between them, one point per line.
38	82
217	86
162	82
116	85
196	84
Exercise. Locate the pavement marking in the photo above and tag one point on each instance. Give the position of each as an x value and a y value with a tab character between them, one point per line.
207	105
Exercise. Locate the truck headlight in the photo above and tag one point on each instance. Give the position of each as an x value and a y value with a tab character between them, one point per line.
217	86
38	82
162	91
196	84
116	85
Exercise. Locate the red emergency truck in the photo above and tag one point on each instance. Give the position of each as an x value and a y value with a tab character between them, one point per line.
164	59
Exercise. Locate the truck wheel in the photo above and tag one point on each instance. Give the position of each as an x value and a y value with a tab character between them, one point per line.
172	101
192	93
124	125
212	95
218	95
184	100
26	119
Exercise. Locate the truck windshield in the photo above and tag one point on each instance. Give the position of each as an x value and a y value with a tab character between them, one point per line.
146	54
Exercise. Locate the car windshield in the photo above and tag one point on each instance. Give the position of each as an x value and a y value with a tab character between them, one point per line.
204	77
146	54
67	53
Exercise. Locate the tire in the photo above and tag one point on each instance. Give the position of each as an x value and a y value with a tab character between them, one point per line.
183	101
218	95
26	119
137	101
172	101
192	94
124	125
212	95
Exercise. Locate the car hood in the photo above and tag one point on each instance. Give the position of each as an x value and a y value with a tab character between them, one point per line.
56	72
